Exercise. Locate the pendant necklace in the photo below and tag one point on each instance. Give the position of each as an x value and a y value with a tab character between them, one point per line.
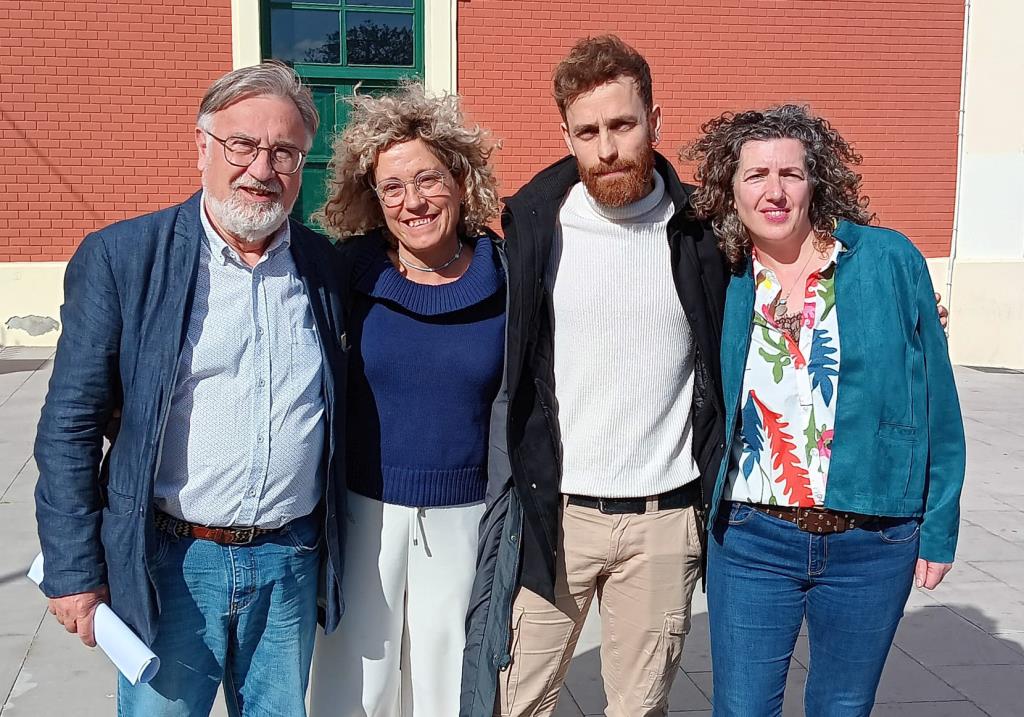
780	307
410	265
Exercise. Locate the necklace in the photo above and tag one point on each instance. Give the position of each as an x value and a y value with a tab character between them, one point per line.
780	307
410	265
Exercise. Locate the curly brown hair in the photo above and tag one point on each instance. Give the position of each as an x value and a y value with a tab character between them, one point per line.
377	123
594	61
836	187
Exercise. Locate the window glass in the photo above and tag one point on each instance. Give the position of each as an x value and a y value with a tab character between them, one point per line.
305	36
379	38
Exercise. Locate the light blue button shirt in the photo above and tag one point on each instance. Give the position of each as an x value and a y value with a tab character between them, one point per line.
244	438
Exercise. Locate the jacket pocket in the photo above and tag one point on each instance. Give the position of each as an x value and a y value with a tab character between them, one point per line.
120	503
894	458
549	406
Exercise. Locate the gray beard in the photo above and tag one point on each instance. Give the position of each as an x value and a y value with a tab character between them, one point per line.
246	220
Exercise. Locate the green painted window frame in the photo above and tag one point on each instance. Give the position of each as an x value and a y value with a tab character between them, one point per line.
342	71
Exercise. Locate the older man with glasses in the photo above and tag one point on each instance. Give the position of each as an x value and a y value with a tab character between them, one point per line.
215	328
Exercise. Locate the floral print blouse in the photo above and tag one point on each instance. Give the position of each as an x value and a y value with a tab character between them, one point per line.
790	383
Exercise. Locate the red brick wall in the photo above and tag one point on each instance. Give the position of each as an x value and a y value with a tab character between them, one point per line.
97	105
886	72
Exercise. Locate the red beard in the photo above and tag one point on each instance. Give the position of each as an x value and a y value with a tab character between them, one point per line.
622	190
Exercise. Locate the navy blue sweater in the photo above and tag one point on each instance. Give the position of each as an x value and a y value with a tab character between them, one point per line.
424	369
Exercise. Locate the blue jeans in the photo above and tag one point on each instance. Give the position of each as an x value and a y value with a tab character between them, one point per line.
242	615
765	576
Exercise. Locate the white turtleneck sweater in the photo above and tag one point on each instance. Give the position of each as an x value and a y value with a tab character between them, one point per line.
623	349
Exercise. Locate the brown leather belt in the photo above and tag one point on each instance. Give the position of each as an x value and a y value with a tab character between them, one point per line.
682	497
817	520
223	536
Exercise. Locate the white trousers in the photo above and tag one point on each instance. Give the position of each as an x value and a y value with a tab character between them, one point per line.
398	648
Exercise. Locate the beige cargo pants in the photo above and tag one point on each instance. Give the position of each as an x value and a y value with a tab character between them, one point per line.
643	569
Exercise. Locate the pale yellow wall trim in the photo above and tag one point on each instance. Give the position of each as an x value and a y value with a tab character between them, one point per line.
440	55
986	323
245	33
30	297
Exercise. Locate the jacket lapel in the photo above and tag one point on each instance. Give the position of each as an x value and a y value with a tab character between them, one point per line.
739	313
183	262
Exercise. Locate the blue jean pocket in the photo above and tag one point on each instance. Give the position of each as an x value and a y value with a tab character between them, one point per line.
900	530
303	534
740	513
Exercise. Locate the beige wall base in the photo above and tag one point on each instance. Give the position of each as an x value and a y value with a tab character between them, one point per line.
986	323
30	297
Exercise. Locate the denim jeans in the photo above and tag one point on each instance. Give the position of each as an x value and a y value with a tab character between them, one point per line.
242	615
766	576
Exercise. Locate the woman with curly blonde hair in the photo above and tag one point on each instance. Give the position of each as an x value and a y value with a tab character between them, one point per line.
847	446
410	196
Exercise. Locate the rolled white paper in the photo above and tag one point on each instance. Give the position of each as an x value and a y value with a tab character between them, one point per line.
130	655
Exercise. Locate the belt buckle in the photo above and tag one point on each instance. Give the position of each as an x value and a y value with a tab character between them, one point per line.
801	519
244	536
611	508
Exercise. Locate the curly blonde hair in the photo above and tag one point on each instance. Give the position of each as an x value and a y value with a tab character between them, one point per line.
376	124
836	187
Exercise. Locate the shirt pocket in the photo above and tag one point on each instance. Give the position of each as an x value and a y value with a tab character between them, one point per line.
305	348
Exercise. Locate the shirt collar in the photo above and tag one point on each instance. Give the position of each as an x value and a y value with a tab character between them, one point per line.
280	240
761	271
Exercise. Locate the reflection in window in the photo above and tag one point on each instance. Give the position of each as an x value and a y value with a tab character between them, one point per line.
381	3
377	38
304	36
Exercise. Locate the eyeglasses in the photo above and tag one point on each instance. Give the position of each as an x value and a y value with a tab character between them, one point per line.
428	183
241	152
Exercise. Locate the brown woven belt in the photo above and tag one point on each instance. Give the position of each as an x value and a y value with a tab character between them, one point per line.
223	536
818	520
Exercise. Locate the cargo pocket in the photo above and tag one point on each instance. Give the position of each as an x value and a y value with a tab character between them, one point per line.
668	652
508	677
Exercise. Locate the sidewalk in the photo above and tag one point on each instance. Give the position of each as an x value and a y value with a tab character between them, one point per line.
959	651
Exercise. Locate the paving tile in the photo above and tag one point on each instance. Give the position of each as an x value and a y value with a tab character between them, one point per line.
1010	572
686	696
584	681
26	352
697	649
13	650
793	702
965	572
992	607
905	680
61	675
1007	524
938	636
566	706
23	606
978	544
703	681
1013	640
998	690
961	708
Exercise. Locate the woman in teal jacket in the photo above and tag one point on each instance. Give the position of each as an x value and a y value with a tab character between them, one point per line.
847	446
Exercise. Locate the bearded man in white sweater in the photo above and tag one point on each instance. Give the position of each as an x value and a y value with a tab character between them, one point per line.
611	409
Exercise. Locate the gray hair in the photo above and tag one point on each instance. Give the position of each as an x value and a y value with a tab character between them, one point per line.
269	78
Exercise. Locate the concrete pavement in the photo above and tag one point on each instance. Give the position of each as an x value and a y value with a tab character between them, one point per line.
959	651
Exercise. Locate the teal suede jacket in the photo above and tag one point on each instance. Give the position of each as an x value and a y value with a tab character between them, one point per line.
899	445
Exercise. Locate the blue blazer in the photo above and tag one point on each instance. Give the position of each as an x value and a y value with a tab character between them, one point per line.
899	446
127	299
